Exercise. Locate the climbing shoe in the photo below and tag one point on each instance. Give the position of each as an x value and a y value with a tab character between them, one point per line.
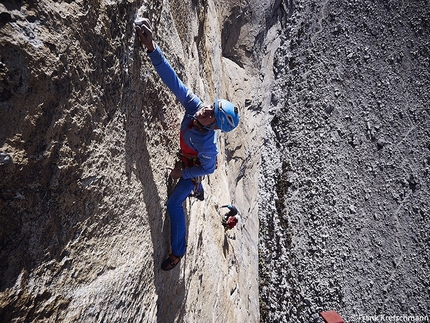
200	194
170	262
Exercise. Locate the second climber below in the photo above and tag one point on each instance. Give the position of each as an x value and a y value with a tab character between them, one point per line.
198	141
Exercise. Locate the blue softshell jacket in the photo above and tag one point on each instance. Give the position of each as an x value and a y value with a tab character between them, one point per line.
204	145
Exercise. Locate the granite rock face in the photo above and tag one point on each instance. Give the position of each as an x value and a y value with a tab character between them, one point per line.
87	133
344	200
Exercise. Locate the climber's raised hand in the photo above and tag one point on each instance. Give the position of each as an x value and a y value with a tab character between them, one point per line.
144	32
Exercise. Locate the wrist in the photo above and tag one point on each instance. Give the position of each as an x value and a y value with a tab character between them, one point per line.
150	48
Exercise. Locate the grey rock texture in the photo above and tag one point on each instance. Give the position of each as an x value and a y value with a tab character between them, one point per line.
344	186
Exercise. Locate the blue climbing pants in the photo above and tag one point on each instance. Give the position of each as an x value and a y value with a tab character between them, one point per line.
178	228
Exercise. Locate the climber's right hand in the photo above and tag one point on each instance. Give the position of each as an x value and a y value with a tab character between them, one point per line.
144	32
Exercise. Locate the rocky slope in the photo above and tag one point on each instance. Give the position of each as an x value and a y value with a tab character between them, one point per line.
345	200
87	133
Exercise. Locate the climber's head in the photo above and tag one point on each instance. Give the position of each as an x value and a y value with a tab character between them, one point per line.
221	115
226	115
205	118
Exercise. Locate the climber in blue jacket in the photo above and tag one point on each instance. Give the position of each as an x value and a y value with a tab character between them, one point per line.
197	141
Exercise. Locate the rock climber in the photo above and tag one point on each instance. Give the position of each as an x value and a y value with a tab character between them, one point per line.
198	141
230	219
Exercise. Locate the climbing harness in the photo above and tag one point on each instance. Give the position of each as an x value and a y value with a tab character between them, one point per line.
191	161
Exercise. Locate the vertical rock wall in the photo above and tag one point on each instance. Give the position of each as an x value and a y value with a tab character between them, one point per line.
87	131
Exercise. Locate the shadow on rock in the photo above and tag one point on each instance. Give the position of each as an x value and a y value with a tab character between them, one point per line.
169	289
